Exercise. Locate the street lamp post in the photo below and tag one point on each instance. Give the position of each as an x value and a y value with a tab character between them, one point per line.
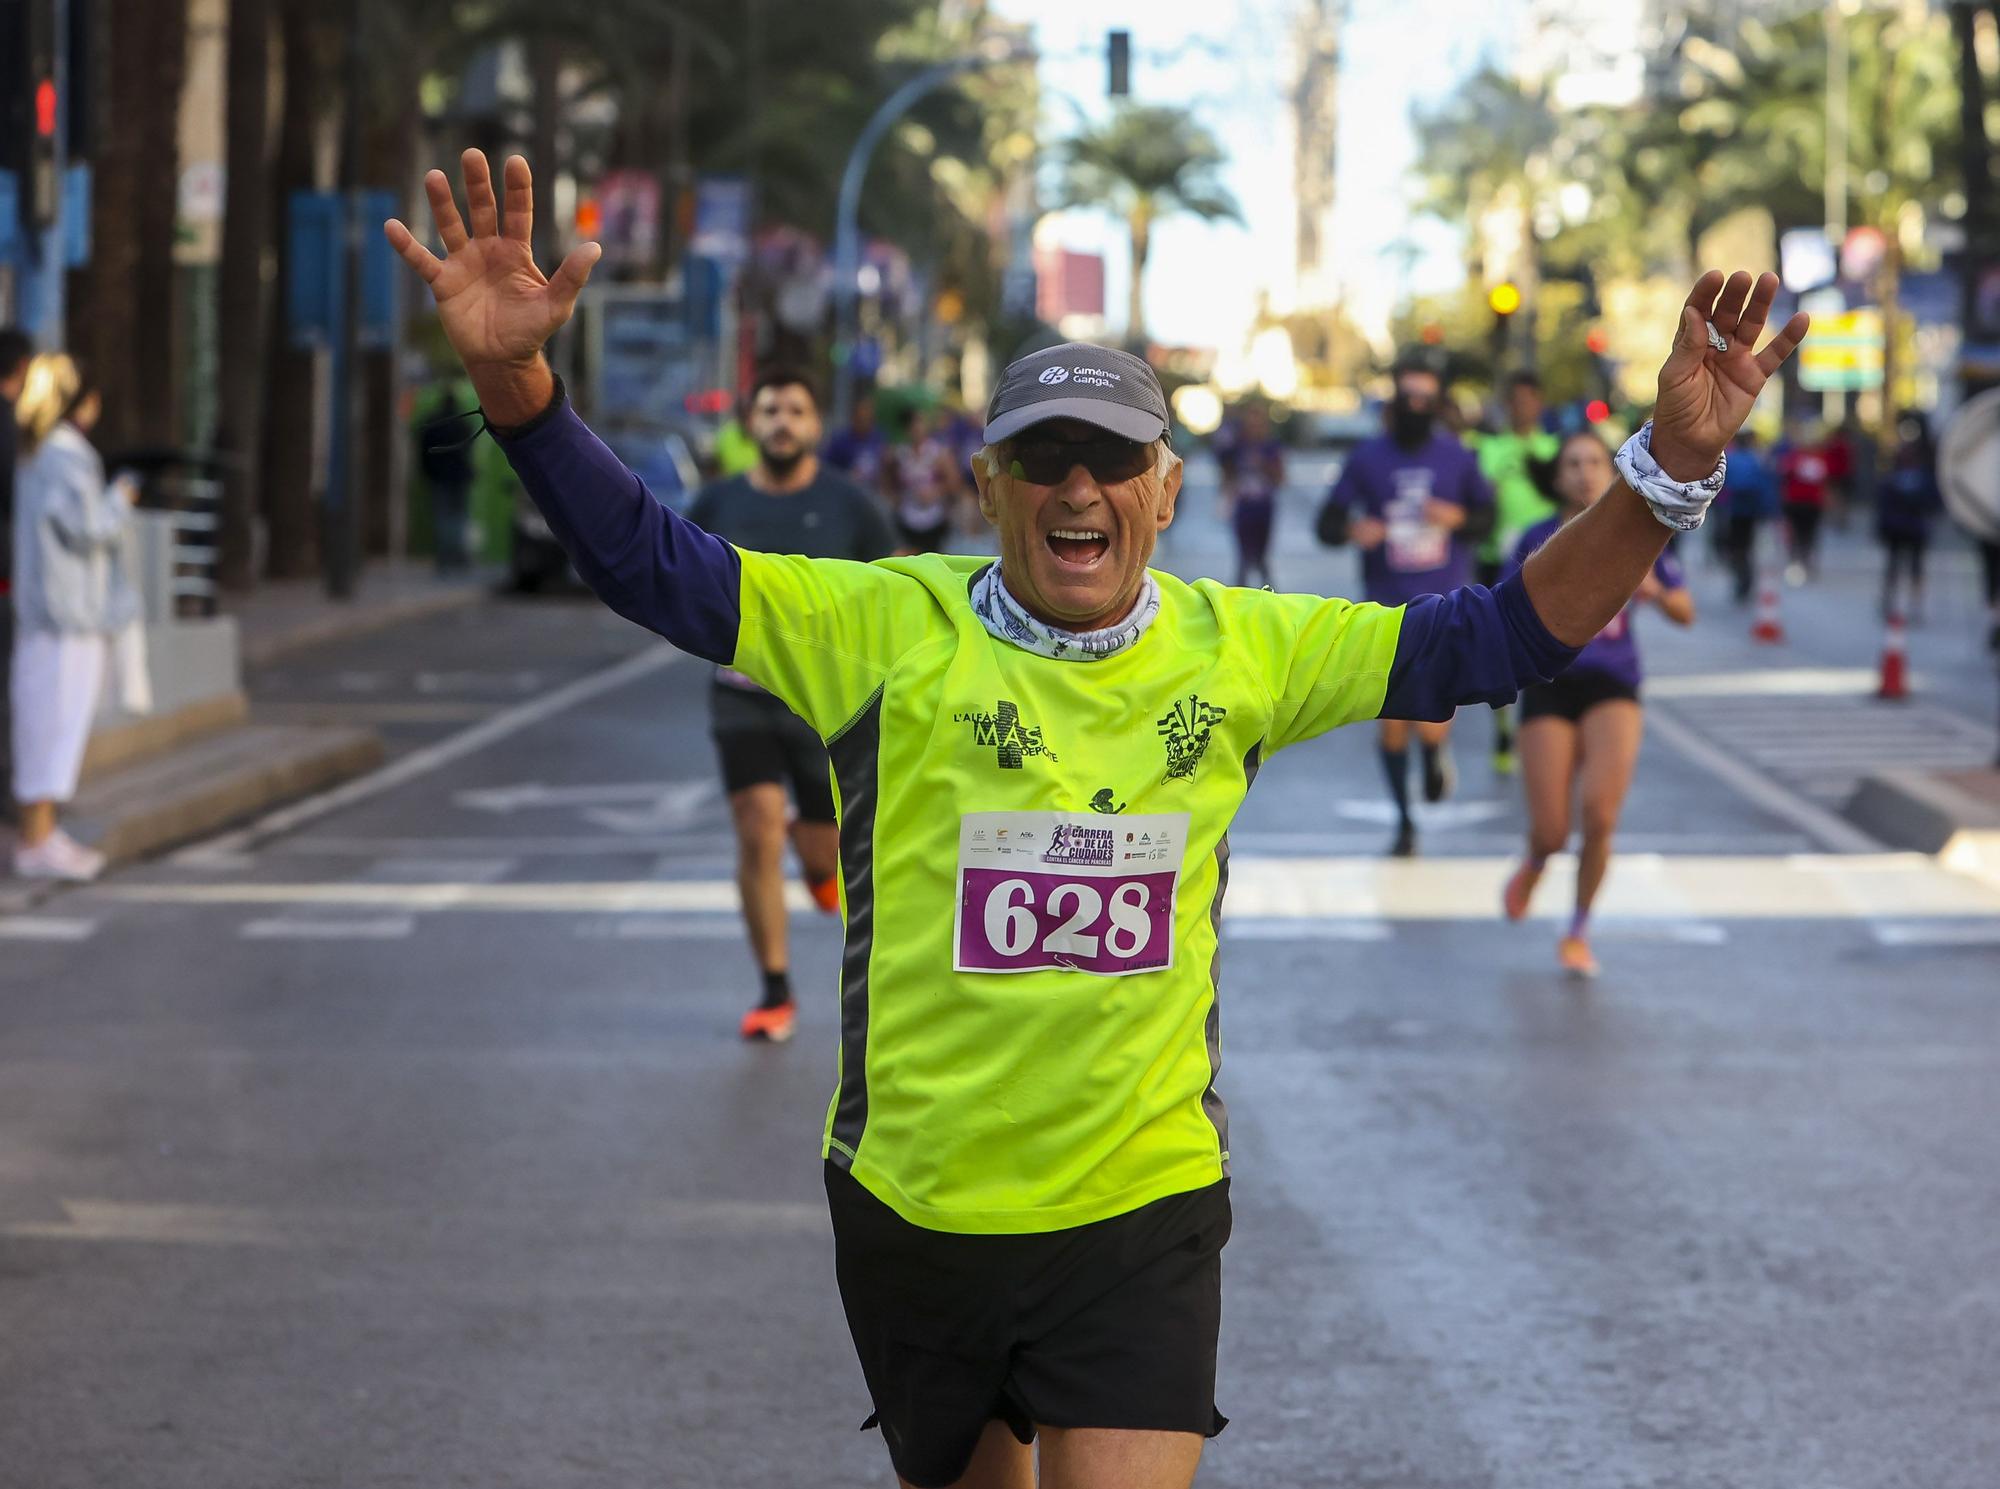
847	232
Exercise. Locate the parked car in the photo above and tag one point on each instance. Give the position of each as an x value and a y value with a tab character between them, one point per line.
1318	429
660	457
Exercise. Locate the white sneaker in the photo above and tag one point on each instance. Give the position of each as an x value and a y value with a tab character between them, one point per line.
58	856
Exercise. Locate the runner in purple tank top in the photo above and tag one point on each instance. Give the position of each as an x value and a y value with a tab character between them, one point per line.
1580	733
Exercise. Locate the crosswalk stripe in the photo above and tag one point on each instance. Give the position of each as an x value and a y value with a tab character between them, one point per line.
46	928
298	928
1643	887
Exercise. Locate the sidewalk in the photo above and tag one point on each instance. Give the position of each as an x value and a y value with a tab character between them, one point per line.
281	617
163	781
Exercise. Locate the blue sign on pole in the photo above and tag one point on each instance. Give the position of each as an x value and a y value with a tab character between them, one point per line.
315	291
76	215
313	283
11	242
380	283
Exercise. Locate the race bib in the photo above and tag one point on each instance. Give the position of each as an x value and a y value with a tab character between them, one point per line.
1075	891
1416	547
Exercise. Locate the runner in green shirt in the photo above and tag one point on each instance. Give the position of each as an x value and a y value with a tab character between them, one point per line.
1036	761
1519	501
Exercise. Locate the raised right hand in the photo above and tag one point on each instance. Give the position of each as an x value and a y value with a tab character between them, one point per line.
496	307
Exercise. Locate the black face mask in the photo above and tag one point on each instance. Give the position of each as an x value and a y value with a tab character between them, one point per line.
1410	427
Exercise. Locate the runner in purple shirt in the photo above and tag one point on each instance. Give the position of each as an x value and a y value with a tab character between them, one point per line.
1415	504
1580	733
1253	468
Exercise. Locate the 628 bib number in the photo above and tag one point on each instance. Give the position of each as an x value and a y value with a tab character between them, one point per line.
1039	890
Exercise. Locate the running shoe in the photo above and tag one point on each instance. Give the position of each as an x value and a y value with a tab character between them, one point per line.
1504	763
1440	774
1519	891
1574	954
771	1024
1405	845
58	856
826	893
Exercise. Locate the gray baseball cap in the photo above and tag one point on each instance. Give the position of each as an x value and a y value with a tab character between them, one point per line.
1114	390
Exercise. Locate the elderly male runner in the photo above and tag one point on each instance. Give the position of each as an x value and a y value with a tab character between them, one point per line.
1037	761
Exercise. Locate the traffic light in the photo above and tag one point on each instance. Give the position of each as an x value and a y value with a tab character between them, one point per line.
1504	298
1118	58
30	108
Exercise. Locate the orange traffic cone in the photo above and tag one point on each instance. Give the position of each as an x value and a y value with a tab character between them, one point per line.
1895	660
1767	626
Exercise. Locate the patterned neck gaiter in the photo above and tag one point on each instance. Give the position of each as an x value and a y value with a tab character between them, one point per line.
1006	618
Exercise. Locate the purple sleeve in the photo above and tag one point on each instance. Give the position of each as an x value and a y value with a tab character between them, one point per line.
1669	572
647	563
1470	645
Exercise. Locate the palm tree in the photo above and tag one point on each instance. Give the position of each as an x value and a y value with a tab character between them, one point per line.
1145	163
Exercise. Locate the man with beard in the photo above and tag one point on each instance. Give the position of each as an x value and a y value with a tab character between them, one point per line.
786	503
1414	503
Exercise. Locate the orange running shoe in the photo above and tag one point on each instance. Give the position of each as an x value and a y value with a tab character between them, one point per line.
772	1024
826	893
1574	954
1520	889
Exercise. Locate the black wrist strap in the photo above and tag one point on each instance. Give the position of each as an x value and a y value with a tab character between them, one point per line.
516	431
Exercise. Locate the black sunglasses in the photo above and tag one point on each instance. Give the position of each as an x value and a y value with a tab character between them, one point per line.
1109	459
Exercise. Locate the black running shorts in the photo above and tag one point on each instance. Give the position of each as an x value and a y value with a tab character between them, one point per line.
1575	694
759	741
1111	1324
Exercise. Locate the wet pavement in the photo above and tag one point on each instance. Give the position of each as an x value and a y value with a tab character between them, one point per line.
408	1141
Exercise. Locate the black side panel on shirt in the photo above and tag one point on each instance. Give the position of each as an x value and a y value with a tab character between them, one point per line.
856	753
1211	1099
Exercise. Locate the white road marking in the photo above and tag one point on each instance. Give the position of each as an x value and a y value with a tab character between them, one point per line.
399	870
433	757
1825	828
1643	887
525	794
46	928
1947	933
585	847
1243	928
115	1220
1795	682
1435	817
301	928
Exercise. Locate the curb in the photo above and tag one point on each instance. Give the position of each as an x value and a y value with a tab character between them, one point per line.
260	651
1932	813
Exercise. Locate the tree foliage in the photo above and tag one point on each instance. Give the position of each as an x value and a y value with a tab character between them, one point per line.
1144	163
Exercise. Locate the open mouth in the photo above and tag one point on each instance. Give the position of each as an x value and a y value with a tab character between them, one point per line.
1078	547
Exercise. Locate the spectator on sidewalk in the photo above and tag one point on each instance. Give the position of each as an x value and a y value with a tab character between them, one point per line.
444	455
71	598
15	351
1749	500
1803	475
1906	504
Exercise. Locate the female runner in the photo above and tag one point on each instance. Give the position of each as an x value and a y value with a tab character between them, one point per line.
1580	733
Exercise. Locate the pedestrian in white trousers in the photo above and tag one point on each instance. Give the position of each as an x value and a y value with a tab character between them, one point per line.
71	598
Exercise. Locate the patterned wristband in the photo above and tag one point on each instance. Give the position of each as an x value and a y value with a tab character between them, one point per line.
1678	504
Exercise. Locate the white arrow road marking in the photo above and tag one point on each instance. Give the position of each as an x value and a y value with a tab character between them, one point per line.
418	763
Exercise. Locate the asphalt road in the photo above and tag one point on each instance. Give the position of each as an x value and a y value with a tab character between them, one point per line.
407	1140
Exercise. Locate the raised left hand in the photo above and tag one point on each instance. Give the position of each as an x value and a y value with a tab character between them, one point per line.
1705	395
